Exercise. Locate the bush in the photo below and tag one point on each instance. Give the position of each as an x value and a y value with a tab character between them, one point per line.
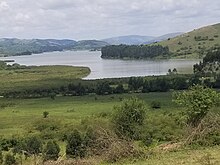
1	157
51	151
206	134
10	159
45	114
198	101
75	147
129	117
155	104
33	145
162	128
47	125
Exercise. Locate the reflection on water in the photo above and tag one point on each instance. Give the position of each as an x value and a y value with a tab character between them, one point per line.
106	68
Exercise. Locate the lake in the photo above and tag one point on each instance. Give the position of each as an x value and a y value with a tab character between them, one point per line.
106	68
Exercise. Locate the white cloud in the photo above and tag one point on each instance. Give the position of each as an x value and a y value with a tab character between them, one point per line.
86	19
3	5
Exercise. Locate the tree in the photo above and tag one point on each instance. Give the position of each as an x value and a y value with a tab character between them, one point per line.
51	151
10	159
198	101
33	146
129	117
169	72
45	114
52	95
174	71
135	83
103	88
119	89
75	146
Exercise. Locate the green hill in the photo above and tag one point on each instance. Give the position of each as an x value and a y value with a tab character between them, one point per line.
16	47
194	44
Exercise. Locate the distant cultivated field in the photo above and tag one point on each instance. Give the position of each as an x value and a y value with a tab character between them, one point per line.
40	77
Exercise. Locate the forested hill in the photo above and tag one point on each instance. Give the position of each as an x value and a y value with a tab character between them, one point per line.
135	51
14	46
194	44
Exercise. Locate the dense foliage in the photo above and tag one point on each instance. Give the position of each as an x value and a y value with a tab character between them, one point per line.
129	117
111	86
75	147
212	56
51	151
198	101
10	159
1	157
134	51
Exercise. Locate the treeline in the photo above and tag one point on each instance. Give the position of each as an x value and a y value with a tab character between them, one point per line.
5	66
212	56
210	63
113	86
134	51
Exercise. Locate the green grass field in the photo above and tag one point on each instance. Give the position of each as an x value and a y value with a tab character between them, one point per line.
21	115
40	77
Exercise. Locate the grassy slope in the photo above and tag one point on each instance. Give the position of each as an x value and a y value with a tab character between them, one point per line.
187	41
40	77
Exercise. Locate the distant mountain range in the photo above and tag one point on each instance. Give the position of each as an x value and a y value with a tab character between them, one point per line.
128	40
163	37
14	46
138	40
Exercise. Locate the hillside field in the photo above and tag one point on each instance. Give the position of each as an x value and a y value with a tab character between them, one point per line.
194	44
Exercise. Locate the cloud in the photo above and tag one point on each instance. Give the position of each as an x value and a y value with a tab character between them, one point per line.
86	19
3	5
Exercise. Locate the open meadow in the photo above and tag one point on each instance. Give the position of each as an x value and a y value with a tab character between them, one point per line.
19	116
42	77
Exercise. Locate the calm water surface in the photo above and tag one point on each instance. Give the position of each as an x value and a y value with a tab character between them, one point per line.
106	68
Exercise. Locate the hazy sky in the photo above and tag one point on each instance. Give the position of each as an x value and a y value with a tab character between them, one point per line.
97	19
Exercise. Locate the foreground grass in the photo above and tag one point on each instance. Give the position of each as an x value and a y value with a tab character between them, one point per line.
21	116
203	156
40	77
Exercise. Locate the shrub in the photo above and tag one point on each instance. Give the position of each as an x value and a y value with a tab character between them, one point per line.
51	151
75	147
206	134
47	125
45	114
129	118
155	104
1	157
162	128
10	159
33	145
198	101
